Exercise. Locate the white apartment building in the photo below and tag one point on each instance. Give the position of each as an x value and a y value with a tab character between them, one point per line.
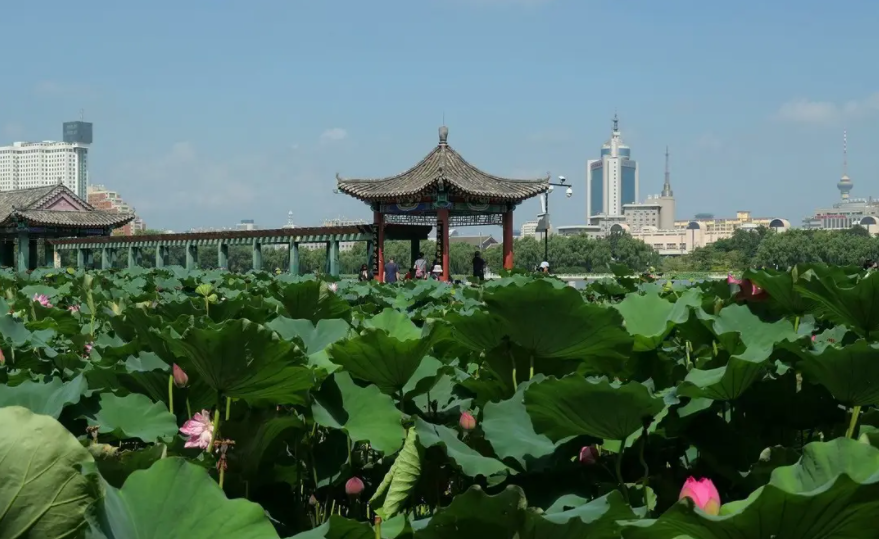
25	165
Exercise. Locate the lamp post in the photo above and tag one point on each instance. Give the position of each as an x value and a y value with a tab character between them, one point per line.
568	193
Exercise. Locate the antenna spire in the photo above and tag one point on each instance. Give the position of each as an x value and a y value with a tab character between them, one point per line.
666	186
845	153
81	115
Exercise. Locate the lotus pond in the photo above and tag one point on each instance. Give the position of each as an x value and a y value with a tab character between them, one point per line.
187	404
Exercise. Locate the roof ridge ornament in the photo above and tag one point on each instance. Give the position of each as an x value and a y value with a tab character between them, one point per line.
443	135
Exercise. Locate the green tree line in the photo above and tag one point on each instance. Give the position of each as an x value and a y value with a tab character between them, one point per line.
764	248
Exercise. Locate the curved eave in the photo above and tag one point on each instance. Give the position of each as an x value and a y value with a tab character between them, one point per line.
445	164
68	219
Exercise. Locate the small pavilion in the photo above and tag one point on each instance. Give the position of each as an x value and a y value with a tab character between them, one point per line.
445	191
29	217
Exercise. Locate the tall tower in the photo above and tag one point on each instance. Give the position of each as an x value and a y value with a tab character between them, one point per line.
612	180
845	183
666	200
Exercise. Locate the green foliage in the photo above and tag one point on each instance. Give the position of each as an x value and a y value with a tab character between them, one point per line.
326	407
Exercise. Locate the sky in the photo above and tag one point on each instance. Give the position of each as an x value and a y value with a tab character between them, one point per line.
206	113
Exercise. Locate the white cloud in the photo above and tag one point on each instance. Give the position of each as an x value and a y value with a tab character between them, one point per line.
12	130
806	111
333	135
51	88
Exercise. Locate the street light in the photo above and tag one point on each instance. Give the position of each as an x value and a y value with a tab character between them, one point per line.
569	192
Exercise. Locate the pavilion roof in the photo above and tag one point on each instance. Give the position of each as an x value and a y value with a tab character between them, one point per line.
443	167
35	206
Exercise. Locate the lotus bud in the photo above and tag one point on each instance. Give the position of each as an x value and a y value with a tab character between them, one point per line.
467	421
180	378
703	493
588	455
766	454
2	358
312	501
354	487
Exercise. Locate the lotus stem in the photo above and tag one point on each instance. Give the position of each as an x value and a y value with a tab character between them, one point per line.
171	393
228	407
644	435
216	428
619	470
531	369
188	408
796	323
351	460
856	411
222	476
513	363
378	527
687	350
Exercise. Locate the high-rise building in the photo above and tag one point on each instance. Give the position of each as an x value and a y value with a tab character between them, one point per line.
104	199
25	165
612	180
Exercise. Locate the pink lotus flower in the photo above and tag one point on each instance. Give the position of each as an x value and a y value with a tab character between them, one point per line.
180	378
43	300
748	291
73	308
2	358
334	287
88	349
354	487
467	421
703	493
200	430
588	455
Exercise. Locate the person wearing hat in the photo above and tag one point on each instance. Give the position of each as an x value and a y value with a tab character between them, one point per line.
544	267
437	270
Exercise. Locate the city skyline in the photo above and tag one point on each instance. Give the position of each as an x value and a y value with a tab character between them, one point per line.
746	131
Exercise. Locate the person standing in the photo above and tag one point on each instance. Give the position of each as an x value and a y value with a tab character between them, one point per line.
392	272
420	267
478	267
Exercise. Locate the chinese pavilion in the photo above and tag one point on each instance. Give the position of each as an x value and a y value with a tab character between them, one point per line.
446	191
28	216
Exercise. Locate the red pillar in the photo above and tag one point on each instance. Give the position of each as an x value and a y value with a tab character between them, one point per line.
442	216
508	240
379	221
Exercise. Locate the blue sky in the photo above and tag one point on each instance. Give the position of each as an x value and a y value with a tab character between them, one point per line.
232	110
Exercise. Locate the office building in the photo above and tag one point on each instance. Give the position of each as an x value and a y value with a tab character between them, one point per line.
611	180
104	199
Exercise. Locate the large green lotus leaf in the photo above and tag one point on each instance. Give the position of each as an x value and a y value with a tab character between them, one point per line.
425	378
400	480
117	464
832	492
471	462
378	358
365	413
596	519
338	528
46	398
310	301
316	338
132	416
141	508
45	492
573	406
550	322
261	436
476	515
508	429
649	318
722	383
849	303
851	373
396	323
780	285
244	360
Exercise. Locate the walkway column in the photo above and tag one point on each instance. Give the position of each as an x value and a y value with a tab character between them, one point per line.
223	256
294	258
33	254
257	256
161	255
370	252
56	259
508	240
379	269
24	251
48	254
191	256
134	257
108	257
414	247
442	237
334	258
